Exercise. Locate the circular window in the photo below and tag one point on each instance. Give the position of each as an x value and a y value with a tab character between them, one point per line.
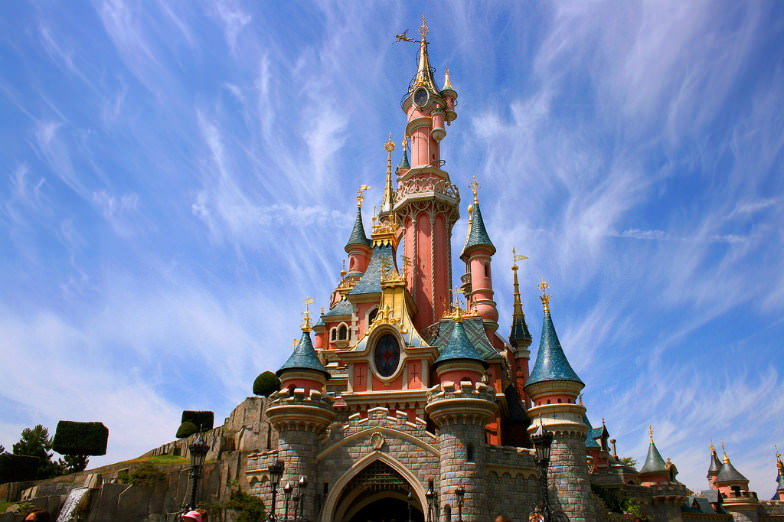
387	355
421	96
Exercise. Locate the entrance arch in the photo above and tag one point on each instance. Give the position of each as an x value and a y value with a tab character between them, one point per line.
375	489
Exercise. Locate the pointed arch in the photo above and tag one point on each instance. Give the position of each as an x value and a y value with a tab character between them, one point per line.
336	492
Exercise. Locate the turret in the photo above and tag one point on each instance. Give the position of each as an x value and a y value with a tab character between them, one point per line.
519	336
553	386
358	245
715	465
459	360
477	255
779	495
426	201
729	480
654	470
300	412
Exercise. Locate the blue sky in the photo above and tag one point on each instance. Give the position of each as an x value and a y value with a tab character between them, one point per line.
176	177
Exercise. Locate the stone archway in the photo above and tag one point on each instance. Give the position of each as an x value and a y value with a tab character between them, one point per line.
375	490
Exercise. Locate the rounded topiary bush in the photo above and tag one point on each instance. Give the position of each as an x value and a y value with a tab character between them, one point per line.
186	429
265	384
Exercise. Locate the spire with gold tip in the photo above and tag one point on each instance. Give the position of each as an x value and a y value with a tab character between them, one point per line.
477	234
715	464
304	356
551	362
654	463
388	201
519	337
424	75
358	236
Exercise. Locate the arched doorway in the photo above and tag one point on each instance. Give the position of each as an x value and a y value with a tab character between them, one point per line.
378	493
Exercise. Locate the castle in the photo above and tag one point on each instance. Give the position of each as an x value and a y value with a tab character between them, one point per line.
404	402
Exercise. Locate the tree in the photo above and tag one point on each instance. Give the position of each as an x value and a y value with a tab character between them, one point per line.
629	461
265	384
74	463
2	448
186	429
35	442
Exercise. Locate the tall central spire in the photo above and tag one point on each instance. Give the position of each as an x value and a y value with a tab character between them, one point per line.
388	202
424	74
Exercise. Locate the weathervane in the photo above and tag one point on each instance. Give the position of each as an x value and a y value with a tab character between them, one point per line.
306	314
423	30
545	297
475	186
517	257
361	194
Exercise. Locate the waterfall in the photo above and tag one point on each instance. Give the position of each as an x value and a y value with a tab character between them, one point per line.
71	504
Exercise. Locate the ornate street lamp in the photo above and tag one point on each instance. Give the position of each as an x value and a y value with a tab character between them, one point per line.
543	441
276	472
286	493
460	492
198	449
430	495
302	483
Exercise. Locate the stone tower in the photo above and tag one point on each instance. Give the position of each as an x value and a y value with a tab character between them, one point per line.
300	412
460	406
553	386
426	201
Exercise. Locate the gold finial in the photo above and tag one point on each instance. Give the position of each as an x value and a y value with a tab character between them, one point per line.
581	400
405	143
361	194
322	310
306	315
294	343
406	264
385	266
545	297
388	201
650	432
724	451
423	30
712	447
779	465
475	186
343	270
447	83
389	146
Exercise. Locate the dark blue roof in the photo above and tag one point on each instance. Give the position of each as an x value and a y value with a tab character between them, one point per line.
475	331
304	357
654	463
519	336
458	347
358	236
477	236
370	282
715	465
343	307
551	363
728	473
404	161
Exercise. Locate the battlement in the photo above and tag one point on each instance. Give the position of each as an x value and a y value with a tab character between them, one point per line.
464	390
466	403
510	460
380	417
296	409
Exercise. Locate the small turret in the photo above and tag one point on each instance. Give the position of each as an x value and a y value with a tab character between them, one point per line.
459	360
303	369
714	467
477	254
729	480
519	336
358	245
404	166
654	471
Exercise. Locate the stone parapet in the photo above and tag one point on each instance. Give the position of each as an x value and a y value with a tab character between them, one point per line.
298	410
465	403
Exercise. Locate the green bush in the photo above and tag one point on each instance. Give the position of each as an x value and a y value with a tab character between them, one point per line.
18	468
145	475
265	384
80	438
203	419
186	429
248	507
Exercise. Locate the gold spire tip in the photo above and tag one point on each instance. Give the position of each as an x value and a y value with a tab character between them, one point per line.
517	257
389	146
423	30
724	451
650	432
712	447
447	83
545	297
306	315
475	186
361	194
405	142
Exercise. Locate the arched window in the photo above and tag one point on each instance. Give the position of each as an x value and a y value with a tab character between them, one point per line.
342	332
372	315
470	452
447	513
487	269
333	333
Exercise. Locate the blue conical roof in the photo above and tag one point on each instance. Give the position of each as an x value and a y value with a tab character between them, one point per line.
358	236
404	164
551	363
370	282
477	236
654	463
304	357
459	347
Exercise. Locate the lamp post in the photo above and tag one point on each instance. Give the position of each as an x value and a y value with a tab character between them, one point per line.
198	449
287	495
460	492
430	495
543	440
276	472
302	483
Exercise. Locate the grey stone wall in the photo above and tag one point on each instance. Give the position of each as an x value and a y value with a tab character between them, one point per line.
458	470
569	486
512	488
297	448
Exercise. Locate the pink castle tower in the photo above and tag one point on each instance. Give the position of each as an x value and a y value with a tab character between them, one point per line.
426	202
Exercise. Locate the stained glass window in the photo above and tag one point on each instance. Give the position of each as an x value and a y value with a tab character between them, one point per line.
387	355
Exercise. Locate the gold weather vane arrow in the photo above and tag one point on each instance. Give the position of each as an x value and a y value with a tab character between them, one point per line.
517	257
361	194
423	30
403	37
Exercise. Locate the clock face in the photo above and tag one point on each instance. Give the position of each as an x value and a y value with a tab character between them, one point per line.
420	97
387	355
